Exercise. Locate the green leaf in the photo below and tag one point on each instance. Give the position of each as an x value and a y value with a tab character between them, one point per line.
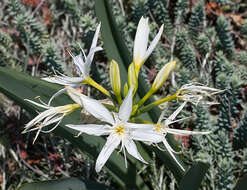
194	176
64	184
242	183
117	50
20	86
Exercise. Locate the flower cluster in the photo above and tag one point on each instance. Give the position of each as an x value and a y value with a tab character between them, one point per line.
118	122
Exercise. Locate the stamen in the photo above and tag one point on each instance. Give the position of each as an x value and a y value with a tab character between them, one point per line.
119	130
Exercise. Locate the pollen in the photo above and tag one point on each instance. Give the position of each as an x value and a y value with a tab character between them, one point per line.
158	127
119	129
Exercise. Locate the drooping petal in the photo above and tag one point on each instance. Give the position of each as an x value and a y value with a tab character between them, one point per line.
148	135
132	149
91	129
185	132
61	91
97	110
154	43
126	107
141	40
111	144
170	150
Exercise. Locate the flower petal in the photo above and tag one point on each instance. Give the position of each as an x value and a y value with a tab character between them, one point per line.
97	110
170	150
141	41
95	37
89	59
185	132
148	135
80	63
64	80
111	144
132	149
140	126
154	42
61	91
91	129
175	113
75	95
126	107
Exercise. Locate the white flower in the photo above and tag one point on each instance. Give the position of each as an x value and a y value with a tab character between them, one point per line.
197	93
119	131
52	115
141	51
163	129
82	63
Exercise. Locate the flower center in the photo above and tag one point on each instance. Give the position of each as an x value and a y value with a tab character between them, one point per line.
119	129
158	128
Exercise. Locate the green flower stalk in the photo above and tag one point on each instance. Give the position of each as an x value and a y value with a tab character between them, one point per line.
159	80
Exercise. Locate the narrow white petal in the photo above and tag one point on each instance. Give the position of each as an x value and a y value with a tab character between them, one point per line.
61	91
95	37
97	110
80	63
132	149
148	135
141	39
126	107
57	121
185	132
38	104
140	126
38	118
91	129
174	115
154	42
64	80
75	95
111	144
170	150
89	59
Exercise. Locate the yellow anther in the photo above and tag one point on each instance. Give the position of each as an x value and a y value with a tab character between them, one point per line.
119	129
158	127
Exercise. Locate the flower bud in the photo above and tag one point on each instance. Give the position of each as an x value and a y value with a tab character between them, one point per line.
132	78
115	78
163	75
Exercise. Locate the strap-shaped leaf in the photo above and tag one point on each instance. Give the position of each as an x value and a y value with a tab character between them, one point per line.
194	176
20	86
64	184
242	183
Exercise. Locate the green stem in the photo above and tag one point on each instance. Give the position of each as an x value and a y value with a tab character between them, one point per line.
91	82
144	99
119	99
156	103
111	108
